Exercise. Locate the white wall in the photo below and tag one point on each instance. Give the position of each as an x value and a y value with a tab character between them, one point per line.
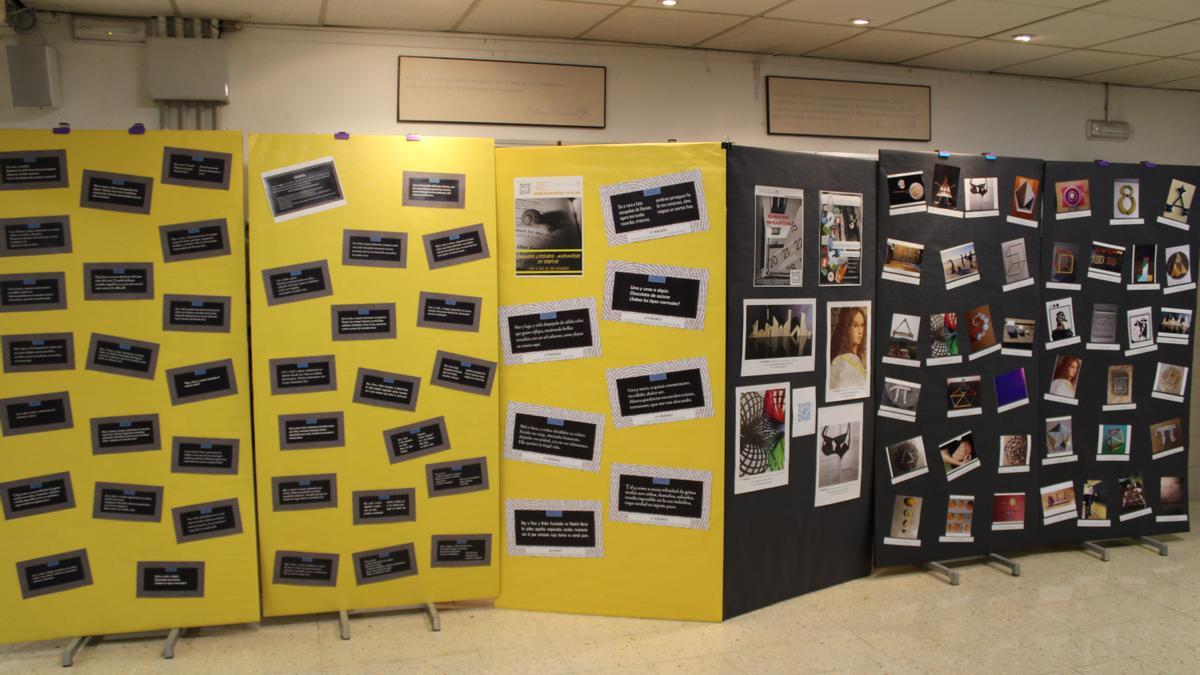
296	80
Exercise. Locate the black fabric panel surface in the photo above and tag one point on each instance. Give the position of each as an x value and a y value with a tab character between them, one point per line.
1088	415
777	544
938	232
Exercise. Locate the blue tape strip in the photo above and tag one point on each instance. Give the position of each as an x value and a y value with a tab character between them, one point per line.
656	279
35	486
200	372
658	377
455	237
125	425
376	240
554	514
193	230
197	303
205	511
206	446
652	192
302	365
124	346
364	312
451	303
555	422
197	158
33	226
389	380
548	316
305	483
660	481
35	404
38	343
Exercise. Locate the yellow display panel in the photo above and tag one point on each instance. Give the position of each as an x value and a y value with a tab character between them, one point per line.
646	570
150	491
336	270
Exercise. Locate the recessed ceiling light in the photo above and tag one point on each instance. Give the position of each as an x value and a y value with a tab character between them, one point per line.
860	21
1023	37
668	3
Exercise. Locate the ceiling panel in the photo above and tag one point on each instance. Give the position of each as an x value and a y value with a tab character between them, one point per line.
984	55
1153	72
533	17
841	11
1164	10
661	26
398	14
111	7
774	36
974	17
294	12
741	7
1083	29
1179	39
1192	83
886	46
1075	63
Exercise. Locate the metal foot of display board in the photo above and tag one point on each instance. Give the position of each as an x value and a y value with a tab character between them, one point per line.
435	619
169	643
1013	566
1097	549
1160	546
72	650
939	568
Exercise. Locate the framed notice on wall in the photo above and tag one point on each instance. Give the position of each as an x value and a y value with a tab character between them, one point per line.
473	91
798	106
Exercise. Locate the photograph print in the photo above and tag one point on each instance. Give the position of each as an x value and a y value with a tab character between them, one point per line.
906	192
1179	204
839	456
848	350
900	399
1177	272
1014	453
1060	317
902	261
763	436
982	198
960	265
902	340
1074	199
1126	204
778	336
906	459
943	339
1174	325
1016	265
841	222
548	226
778	236
1131	497
1023	207
1065	379
945	191
1060	442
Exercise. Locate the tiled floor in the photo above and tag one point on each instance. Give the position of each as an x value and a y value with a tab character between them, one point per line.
1067	612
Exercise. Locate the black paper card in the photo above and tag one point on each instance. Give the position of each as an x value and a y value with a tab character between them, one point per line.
54	573
201	382
122	356
463	373
668	296
363	322
116	192
554	529
658	207
196	168
189	241
383	564
303	374
35	236
33	169
119	501
451	312
309	431
442	190
557	437
371	248
31	414
660	392
196	313
118	281
297	493
385	506
293	283
204	455
674	497
37	495
299	190
451	478
38	352
32	292
170	579
304	568
461	550
454	247
416	440
387	390
550	331
130	433
205	521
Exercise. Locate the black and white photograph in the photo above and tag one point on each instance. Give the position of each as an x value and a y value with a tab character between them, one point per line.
1174	325
900	399
1103	336
548	226
839	454
778	336
906	459
778	236
1139	325
983	200
1060	320
1016	265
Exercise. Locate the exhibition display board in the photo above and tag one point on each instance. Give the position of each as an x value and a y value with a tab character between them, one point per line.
612	323
801	252
125	458
373	296
1119	294
957	382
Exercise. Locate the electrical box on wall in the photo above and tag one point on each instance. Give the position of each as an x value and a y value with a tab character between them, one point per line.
187	69
33	76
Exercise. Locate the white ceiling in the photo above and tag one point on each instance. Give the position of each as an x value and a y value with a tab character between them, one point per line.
1152	43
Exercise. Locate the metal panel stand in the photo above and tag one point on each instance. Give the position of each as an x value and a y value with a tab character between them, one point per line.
1160	546
1097	549
435	619
953	576
939	568
169	643
1013	566
72	650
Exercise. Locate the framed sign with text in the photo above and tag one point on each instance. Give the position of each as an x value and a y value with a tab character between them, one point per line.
798	106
